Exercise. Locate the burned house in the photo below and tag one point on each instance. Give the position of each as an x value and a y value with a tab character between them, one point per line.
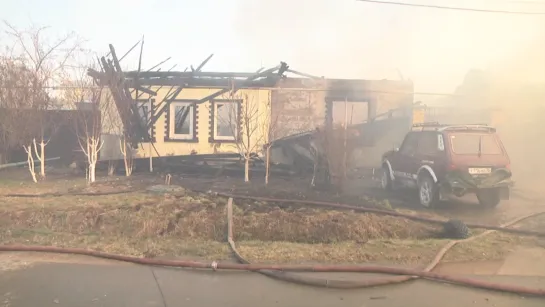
380	109
167	113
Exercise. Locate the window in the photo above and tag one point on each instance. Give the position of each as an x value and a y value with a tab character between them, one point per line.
351	112
409	145
427	143
474	144
145	111
181	121
225	120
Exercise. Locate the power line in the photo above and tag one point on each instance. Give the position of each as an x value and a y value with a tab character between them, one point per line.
454	8
280	89
524	1
60	87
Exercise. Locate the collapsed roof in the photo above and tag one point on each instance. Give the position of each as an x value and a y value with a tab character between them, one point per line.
125	86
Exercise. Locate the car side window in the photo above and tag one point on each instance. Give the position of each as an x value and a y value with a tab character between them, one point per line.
428	144
410	144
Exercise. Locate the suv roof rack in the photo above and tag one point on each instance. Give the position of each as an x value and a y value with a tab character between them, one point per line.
427	126
435	126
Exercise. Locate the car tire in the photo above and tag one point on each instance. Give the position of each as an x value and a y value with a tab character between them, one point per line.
456	229
385	179
428	192
489	197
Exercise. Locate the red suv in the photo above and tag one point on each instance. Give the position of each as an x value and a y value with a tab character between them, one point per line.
442	160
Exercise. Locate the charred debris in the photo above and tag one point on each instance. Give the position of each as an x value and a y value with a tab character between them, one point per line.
124	86
129	87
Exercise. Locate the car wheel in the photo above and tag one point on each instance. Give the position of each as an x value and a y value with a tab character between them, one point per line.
385	179
489	197
428	193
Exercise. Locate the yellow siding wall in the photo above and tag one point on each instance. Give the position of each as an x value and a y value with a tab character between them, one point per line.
203	146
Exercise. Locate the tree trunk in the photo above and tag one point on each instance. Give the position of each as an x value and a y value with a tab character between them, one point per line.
92	172
30	161
128	164
42	159
267	164
246	169
111	168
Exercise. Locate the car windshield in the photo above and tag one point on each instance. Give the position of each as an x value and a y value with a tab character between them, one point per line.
474	144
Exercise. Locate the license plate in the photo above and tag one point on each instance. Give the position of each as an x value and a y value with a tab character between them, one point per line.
480	171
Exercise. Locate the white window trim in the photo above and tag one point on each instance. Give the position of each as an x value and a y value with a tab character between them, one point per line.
216	120
172	121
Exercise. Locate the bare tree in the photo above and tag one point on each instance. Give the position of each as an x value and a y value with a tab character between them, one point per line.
43	63
126	150
89	130
112	127
30	160
16	105
242	116
272	131
89	101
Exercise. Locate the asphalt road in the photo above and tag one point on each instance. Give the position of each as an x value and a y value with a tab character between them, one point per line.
76	284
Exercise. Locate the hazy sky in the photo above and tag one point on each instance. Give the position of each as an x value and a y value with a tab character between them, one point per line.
332	38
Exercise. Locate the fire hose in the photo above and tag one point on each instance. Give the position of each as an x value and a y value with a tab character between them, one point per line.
343	284
382	212
282	271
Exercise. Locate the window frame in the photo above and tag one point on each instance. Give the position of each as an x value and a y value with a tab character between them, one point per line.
214	137
170	135
491	135
402	148
150	103
432	135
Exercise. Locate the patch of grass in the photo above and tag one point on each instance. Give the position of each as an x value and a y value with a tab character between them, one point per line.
197	217
494	246
149	247
380	251
189	224
409	252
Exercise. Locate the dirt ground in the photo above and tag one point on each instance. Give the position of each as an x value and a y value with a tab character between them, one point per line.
184	222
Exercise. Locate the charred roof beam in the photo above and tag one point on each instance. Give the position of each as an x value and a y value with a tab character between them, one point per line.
280	69
188	74
168	99
112	77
